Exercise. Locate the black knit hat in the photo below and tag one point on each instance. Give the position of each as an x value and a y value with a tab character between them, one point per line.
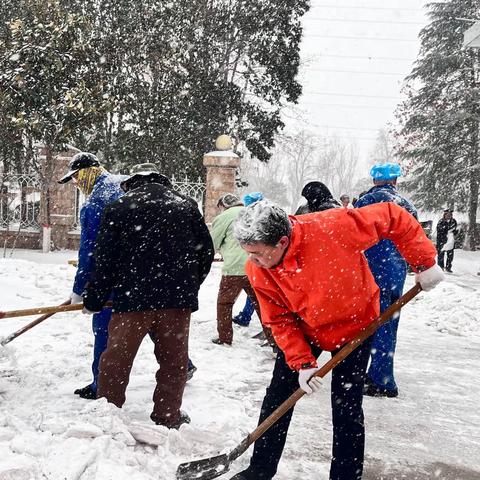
316	192
318	197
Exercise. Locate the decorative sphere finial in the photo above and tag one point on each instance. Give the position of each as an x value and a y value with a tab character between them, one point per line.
223	142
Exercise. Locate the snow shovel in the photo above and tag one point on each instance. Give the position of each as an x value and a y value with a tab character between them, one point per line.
30	325
213	467
46	310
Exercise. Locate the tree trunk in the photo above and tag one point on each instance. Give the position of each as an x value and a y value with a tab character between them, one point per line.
474	163
474	182
23	205
46	177
472	209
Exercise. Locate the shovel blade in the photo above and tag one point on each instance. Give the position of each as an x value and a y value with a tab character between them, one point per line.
205	469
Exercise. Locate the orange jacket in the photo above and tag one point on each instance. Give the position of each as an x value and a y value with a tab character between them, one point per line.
323	291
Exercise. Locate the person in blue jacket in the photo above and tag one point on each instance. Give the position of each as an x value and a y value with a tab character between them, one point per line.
100	188
389	270
245	316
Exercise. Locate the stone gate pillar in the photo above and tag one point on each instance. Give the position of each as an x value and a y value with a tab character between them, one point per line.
221	168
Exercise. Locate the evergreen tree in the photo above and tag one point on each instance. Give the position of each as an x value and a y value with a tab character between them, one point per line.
50	85
12	154
384	150
440	118
166	77
185	72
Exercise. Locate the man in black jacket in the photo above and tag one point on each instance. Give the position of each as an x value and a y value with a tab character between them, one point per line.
153	251
447	226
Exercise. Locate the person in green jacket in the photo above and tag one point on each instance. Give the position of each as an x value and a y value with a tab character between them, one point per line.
234	279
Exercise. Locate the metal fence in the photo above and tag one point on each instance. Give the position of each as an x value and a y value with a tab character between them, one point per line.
19	201
195	190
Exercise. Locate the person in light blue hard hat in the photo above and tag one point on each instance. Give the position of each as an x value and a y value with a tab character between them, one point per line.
389	270
385	172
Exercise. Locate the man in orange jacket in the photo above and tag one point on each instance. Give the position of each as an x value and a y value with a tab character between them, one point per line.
316	293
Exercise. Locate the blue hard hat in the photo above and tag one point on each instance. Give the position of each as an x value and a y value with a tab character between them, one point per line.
386	171
252	197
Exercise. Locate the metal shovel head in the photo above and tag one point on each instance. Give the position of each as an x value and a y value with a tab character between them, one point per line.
205	469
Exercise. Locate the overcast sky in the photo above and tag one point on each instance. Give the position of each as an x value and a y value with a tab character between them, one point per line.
355	56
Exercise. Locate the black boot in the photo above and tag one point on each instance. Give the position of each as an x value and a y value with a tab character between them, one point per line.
372	390
86	392
184	418
190	372
217	341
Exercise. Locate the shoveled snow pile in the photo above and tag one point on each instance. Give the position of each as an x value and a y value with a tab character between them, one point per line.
431	431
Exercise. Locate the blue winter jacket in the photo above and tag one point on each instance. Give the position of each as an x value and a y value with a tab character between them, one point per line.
106	190
385	262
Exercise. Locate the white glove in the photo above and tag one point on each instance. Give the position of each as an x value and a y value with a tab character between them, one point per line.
75	298
307	385
430	278
85	311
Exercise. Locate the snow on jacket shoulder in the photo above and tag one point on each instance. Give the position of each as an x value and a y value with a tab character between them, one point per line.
385	193
106	190
323	291
234	257
153	251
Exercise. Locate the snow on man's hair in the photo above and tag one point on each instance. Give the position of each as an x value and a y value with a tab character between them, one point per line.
261	222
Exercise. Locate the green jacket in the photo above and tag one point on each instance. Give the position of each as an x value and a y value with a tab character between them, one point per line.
234	257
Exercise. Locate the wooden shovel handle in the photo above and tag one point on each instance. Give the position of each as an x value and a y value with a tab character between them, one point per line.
28	326
46	310
333	362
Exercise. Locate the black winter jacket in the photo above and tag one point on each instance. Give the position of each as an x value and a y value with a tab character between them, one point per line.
153	251
443	227
327	205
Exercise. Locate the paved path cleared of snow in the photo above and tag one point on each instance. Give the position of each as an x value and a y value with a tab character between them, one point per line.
431	431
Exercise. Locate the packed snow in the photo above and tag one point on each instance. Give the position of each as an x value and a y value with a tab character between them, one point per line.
431	431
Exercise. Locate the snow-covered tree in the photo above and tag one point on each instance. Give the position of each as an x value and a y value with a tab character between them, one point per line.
174	75
50	85
299	153
384	149
338	165
439	137
301	157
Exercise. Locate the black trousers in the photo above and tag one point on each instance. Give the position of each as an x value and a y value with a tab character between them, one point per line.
347	416
441	257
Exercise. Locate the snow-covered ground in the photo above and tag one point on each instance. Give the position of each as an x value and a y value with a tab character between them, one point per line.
431	431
